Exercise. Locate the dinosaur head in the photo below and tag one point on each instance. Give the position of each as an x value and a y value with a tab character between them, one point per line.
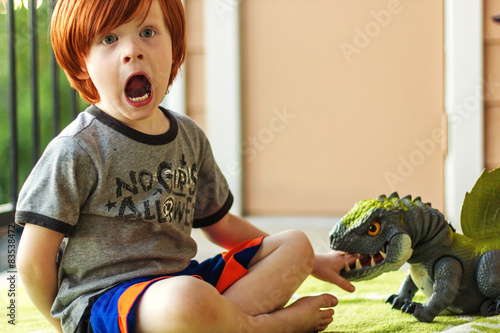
374	230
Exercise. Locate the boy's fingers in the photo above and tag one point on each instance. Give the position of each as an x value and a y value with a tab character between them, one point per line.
351	258
343	283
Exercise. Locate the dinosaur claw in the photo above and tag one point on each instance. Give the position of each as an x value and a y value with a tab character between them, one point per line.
409	308
402	303
490	307
395	301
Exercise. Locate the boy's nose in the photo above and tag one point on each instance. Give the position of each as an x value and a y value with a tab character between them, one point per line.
127	59
132	53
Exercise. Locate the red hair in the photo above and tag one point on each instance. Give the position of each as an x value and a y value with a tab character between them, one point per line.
75	23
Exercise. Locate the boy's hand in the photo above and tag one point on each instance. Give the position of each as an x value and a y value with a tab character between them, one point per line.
327	267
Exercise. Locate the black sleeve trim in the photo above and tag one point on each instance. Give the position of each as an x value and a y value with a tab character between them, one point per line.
44	221
217	216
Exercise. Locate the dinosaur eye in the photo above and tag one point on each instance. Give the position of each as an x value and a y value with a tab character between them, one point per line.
374	229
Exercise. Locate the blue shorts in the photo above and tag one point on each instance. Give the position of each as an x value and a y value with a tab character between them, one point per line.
114	311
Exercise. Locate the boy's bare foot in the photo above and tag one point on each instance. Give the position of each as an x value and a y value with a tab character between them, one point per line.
308	314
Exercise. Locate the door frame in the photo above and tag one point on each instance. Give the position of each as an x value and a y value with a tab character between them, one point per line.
223	90
464	101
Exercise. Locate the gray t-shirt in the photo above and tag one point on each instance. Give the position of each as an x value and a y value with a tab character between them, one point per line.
126	200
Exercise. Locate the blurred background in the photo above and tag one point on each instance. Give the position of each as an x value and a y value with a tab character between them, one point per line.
310	105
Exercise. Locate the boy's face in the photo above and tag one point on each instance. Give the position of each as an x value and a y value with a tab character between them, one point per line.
130	67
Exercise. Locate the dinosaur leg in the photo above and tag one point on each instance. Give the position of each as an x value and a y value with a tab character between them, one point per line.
405	293
488	280
447	275
488	274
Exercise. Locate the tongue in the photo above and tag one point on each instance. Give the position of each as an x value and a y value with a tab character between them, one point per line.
137	86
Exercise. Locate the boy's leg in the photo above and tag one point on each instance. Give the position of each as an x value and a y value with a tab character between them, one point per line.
252	304
187	304
283	261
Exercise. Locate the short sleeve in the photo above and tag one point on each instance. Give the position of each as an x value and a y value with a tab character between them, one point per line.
57	187
213	198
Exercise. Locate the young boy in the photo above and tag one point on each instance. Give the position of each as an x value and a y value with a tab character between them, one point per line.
127	180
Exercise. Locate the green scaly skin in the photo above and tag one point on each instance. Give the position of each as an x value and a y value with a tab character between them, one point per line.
456	273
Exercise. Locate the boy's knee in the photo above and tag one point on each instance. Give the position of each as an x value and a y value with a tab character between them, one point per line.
300	241
300	248
180	304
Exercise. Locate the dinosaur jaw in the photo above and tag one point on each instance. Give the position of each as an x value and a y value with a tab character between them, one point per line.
366	260
390	258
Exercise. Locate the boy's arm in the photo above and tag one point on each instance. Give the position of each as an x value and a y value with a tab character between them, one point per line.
232	230
36	264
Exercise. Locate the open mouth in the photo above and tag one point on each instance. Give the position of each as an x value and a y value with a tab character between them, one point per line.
138	88
390	257
367	260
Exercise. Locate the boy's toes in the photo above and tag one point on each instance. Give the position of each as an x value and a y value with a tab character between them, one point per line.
324	325
328	301
327	320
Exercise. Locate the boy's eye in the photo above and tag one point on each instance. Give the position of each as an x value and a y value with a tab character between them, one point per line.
147	33
109	39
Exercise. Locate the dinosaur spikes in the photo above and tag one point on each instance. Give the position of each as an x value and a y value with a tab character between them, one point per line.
381	197
428	204
394	195
418	199
408	197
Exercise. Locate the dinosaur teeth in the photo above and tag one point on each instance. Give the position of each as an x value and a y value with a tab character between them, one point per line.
358	264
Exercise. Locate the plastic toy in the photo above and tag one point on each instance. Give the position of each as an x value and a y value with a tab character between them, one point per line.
459	274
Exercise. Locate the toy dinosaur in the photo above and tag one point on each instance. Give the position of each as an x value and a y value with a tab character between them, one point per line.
458	273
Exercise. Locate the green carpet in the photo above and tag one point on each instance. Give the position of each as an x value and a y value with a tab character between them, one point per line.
365	310
362	311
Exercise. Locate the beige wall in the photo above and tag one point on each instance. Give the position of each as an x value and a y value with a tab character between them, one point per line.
492	86
342	100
